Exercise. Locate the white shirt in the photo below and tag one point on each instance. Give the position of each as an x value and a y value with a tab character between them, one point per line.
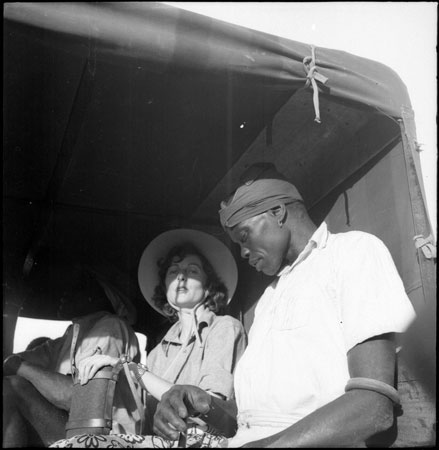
341	290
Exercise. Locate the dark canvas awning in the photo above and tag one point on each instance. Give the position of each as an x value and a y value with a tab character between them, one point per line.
126	119
160	37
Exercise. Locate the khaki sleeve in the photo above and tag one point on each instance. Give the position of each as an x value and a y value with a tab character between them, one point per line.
225	344
43	355
113	336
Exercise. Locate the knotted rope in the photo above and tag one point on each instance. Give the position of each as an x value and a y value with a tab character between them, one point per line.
309	63
426	245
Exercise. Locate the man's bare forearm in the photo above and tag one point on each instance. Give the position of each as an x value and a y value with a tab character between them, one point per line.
346	422
55	387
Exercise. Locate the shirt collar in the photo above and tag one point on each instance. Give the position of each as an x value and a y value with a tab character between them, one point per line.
320	236
317	240
205	320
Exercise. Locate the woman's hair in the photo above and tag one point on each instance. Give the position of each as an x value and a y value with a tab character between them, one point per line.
216	299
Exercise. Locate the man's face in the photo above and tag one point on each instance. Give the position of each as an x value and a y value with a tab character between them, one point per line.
262	242
84	297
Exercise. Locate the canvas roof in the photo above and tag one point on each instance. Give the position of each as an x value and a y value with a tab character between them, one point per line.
126	119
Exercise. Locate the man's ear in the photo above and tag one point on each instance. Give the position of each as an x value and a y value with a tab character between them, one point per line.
279	213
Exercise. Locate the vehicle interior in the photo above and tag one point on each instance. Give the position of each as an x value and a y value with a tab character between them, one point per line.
114	135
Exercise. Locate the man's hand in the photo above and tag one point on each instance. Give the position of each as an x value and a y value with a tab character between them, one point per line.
11	364
178	404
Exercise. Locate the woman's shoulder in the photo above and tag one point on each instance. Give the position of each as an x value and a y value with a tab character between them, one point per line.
227	321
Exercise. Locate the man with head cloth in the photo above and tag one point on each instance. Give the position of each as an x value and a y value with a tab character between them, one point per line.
320	364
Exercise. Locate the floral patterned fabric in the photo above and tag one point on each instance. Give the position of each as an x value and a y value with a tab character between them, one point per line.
196	438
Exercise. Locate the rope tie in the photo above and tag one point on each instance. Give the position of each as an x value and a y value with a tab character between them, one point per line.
312	76
426	245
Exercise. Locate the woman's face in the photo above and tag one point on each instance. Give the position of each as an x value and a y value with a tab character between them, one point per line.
185	282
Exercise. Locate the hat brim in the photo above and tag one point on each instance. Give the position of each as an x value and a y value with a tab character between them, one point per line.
217	253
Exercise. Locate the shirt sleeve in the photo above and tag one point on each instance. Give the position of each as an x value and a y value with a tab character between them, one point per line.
44	354
152	357
225	345
370	292
113	336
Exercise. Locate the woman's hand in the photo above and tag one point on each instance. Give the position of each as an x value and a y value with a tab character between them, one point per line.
88	367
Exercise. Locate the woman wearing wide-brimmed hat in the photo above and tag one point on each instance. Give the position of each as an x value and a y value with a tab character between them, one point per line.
190	277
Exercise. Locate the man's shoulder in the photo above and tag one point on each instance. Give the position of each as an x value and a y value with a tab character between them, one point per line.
357	245
354	237
103	319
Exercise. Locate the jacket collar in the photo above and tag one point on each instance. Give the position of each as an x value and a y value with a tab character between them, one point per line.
205	320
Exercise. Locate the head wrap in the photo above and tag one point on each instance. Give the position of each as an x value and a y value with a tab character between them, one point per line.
255	198
261	188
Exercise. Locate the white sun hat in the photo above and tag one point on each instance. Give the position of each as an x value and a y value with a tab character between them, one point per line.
217	253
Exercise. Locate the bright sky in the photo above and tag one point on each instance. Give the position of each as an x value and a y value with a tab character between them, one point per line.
28	329
401	35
